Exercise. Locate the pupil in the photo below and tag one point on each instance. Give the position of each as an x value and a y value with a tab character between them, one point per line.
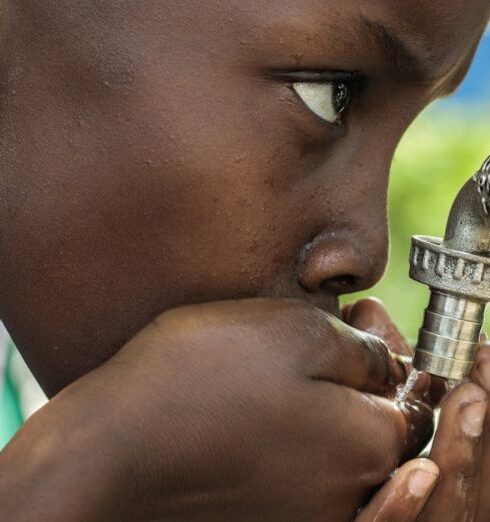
341	97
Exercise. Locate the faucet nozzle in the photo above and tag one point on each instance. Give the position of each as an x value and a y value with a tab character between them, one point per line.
457	271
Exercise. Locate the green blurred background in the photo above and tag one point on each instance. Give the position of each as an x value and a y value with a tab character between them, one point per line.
441	150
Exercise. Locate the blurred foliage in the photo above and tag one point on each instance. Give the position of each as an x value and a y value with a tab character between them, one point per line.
437	155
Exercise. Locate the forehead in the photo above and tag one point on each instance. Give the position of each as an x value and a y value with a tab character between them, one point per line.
442	33
443	30
431	20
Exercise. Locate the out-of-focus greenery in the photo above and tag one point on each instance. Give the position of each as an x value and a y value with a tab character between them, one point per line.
437	155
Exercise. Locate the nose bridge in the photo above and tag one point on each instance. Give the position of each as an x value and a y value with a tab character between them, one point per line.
359	172
350	251
361	205
368	214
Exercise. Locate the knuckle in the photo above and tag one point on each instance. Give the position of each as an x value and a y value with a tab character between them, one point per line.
466	477
469	392
466	471
467	484
462	468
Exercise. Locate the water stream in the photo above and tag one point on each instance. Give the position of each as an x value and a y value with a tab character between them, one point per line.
404	390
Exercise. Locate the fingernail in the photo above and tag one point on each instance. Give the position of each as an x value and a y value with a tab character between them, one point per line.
473	417
421	482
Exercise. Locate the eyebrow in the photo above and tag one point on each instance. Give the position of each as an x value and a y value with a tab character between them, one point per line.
400	55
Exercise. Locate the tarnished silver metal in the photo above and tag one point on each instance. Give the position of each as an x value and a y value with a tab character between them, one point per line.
482	180
457	271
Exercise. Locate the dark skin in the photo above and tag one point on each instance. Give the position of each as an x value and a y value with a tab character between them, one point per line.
250	416
157	179
159	157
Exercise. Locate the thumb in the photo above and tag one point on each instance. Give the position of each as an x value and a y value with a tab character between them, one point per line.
405	495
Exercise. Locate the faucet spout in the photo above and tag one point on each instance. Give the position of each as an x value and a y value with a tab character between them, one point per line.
468	226
457	271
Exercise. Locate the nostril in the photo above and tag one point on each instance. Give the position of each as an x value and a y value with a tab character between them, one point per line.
343	280
340	284
337	265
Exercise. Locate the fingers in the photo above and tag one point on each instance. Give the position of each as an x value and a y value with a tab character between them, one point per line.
369	315
480	373
301	335
457	451
346	356
405	495
481	376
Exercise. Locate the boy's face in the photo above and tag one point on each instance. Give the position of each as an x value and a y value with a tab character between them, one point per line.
163	154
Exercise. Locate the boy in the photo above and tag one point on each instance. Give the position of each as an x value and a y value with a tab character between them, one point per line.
166	154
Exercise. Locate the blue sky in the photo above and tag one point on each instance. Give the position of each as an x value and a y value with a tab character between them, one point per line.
476	87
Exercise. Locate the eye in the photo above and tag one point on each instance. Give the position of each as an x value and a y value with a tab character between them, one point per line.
328	100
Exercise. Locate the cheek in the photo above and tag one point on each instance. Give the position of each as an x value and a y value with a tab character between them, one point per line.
232	199
193	196
122	214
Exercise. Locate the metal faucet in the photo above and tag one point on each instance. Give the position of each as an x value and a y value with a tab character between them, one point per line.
457	271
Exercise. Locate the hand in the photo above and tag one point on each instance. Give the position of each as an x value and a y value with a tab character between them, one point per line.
461	447
462	451
403	498
450	485
369	315
457	450
481	376
238	411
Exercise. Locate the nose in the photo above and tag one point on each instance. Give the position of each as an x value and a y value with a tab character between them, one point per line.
341	262
348	251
